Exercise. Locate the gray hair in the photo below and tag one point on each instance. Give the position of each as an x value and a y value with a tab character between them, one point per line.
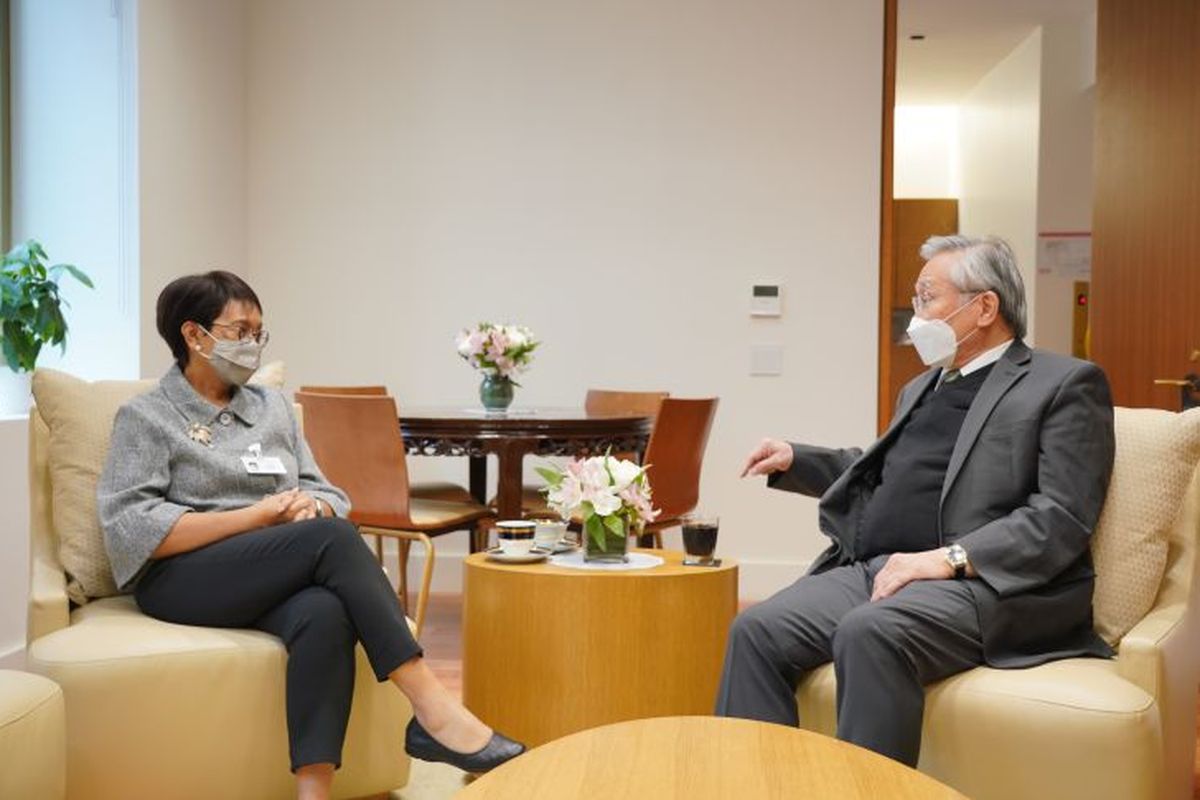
987	264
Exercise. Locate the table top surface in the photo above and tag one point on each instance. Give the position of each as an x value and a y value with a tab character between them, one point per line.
672	568
528	422
514	414
704	757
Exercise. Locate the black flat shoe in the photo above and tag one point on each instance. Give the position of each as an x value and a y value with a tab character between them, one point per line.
419	744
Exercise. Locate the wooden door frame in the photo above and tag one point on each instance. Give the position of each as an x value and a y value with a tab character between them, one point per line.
886	268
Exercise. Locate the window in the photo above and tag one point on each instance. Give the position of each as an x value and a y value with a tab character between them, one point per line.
73	82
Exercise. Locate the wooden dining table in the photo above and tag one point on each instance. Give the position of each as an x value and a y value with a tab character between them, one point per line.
460	431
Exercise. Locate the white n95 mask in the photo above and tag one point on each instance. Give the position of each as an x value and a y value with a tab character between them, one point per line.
935	340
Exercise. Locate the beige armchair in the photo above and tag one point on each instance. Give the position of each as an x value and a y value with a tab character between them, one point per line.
1090	729
156	710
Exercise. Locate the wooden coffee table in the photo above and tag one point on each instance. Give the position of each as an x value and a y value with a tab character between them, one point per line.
548	651
704	758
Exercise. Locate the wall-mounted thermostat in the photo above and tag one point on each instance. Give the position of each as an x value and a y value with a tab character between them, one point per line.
766	300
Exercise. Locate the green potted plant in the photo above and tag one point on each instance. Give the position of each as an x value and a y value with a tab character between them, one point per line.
31	315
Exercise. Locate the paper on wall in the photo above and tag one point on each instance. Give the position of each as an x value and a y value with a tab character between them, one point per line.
1067	255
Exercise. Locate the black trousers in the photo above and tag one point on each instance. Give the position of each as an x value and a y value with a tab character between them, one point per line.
883	653
314	584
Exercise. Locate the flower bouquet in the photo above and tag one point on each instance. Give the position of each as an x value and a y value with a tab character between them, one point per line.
611	496
499	352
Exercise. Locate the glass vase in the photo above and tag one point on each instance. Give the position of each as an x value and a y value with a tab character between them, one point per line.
607	547
496	393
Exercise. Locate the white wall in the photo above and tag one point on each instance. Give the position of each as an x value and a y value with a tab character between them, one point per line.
192	154
926	152
1000	145
1064	161
614	175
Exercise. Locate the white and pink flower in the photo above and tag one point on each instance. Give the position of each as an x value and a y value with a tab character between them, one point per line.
600	487
500	350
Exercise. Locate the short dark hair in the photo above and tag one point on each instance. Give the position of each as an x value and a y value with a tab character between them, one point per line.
201	299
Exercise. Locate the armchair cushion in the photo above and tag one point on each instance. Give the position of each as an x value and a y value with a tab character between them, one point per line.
1157	453
79	415
155	705
1067	729
33	744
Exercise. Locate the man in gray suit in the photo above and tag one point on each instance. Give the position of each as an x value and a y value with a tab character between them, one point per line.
959	538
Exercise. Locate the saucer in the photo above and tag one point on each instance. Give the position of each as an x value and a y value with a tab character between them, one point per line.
525	558
563	546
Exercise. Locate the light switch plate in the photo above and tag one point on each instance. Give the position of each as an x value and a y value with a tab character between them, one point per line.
766	359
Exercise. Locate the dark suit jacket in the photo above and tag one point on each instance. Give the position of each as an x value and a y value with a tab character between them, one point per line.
1023	491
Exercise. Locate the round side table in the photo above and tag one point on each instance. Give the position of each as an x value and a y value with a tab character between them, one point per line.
703	758
549	651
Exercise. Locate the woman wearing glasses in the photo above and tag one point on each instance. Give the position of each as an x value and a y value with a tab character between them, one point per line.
214	513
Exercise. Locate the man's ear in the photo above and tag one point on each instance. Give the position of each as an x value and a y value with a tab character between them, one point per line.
990	303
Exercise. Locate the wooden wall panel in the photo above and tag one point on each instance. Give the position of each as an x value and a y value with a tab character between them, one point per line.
887	270
1146	226
913	221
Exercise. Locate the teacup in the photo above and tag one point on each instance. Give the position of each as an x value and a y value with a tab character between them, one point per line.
549	532
515	536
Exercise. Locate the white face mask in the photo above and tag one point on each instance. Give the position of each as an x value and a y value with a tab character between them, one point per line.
934	338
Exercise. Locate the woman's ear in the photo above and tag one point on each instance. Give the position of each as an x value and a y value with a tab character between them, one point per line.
192	335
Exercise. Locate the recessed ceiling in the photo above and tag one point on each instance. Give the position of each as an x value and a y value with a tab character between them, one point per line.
963	40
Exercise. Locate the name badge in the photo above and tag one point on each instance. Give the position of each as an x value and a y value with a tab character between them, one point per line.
258	464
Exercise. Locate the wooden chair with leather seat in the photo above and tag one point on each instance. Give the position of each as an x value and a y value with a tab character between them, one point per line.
600	402
356	441
426	490
675	456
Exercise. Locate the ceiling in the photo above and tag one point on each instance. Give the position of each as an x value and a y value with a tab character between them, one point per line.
964	39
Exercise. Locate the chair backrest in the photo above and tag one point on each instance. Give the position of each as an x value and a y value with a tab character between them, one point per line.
601	402
373	391
356	441
675	453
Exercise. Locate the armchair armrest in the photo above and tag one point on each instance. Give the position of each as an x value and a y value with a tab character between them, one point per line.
49	610
1142	653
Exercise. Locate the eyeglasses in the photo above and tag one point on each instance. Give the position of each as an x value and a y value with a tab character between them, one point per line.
924	298
242	333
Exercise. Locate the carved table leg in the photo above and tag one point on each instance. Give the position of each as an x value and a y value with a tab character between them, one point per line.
477	478
511	453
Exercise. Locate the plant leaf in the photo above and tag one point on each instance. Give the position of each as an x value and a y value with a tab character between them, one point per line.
75	271
10	354
551	476
19	254
20	348
595	530
615	524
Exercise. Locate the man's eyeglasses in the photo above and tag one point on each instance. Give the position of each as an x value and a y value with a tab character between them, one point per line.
923	298
242	333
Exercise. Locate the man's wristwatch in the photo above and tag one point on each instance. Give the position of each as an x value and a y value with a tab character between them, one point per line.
956	557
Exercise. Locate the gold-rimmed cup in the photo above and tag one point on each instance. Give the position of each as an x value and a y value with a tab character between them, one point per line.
515	536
